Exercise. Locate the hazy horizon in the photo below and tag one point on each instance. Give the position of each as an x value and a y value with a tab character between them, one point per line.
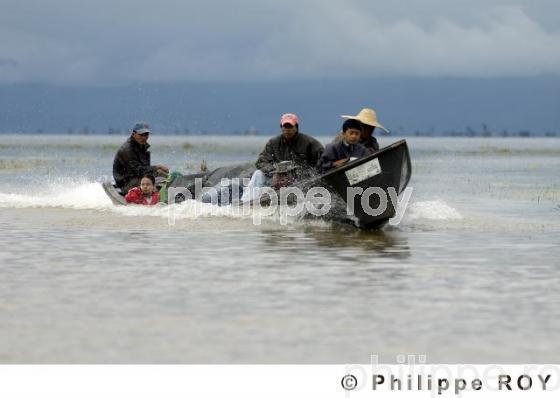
404	106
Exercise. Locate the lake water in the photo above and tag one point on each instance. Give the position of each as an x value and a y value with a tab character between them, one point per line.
471	274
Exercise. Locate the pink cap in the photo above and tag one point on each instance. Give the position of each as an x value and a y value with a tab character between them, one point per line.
289	118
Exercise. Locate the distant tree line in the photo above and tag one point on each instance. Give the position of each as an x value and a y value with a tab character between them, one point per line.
484	131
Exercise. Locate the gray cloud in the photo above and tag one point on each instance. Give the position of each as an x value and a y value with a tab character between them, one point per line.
106	42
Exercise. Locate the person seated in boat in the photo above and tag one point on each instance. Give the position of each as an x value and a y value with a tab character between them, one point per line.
302	149
132	160
145	194
368	118
284	174
349	148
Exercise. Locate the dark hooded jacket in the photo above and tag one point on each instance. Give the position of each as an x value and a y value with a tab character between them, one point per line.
304	150
131	161
340	150
370	142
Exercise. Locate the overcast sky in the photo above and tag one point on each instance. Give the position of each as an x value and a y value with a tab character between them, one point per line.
106	42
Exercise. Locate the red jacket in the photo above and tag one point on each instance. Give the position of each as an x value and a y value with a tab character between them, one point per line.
135	195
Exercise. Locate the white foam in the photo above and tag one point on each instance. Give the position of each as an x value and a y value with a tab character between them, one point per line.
91	196
82	196
432	210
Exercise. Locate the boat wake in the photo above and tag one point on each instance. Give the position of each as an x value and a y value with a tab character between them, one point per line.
82	196
432	210
90	196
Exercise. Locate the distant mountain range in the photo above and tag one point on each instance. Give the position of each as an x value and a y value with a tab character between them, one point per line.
413	106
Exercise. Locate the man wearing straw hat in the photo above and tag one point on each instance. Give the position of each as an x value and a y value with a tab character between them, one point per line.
368	118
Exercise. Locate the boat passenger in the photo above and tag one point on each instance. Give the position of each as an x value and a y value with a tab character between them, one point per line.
145	194
132	160
284	174
368	118
290	145
349	148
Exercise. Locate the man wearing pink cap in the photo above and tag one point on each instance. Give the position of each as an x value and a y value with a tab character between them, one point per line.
304	151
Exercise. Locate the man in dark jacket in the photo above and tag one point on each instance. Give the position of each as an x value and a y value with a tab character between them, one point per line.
349	148
303	150
132	160
368	118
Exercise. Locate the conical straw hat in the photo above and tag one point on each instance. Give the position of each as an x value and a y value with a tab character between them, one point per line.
366	116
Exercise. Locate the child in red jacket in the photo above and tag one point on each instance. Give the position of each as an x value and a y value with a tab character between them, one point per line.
145	194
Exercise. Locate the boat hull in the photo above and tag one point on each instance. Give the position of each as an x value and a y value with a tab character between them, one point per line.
367	184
